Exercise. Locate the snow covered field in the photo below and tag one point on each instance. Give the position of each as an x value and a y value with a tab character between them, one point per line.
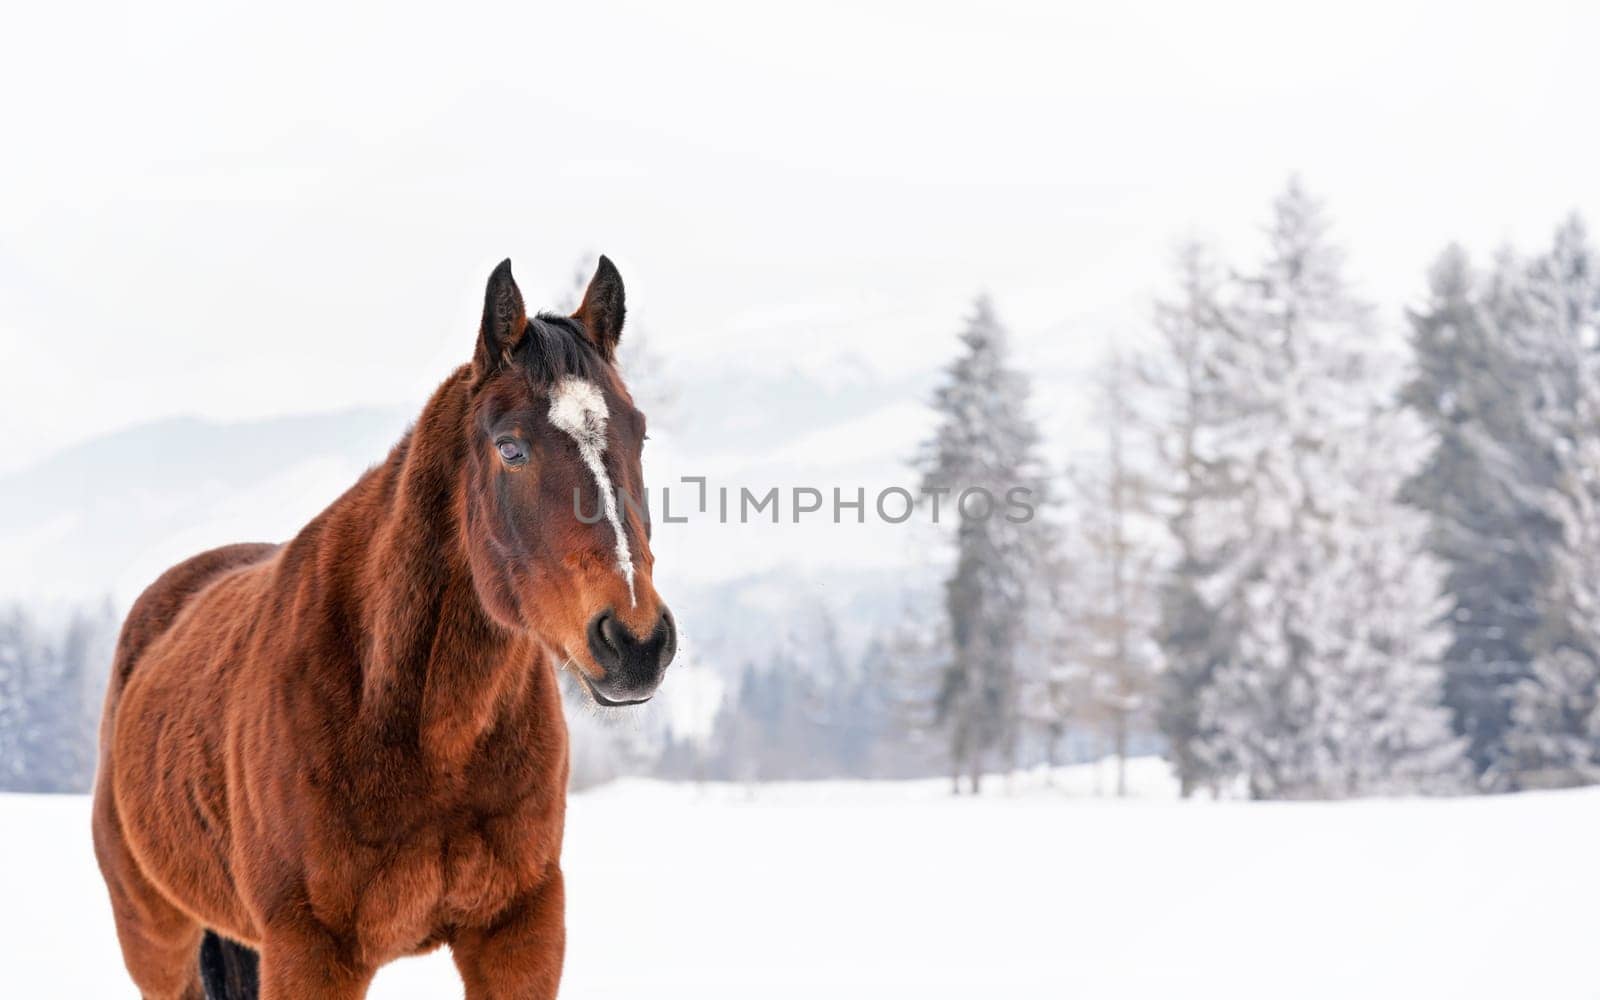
858	889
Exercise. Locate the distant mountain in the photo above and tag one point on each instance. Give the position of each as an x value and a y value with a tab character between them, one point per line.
107	516
104	518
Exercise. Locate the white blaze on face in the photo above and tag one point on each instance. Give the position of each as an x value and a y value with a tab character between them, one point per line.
578	408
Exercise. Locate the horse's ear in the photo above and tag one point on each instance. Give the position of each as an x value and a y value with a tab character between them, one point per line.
603	308
505	320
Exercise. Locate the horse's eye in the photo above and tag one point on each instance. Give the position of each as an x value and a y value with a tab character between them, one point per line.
511	451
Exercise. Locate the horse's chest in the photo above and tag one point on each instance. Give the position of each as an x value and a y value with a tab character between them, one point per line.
441	849
475	883
449	877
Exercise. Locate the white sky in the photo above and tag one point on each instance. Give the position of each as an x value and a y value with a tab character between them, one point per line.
235	210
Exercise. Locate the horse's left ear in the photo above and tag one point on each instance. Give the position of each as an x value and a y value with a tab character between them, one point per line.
603	308
505	320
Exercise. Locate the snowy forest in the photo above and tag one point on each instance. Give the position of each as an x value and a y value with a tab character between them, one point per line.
1313	559
1307	551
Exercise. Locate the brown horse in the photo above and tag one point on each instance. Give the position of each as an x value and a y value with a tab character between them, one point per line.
348	748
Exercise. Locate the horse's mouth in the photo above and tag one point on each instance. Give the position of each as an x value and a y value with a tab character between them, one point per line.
601	699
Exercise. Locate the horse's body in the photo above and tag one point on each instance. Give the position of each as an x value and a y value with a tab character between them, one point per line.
350	747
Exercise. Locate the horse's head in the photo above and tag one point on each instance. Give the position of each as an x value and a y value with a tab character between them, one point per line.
558	535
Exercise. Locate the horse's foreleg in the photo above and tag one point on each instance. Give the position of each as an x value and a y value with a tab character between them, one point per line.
520	956
299	962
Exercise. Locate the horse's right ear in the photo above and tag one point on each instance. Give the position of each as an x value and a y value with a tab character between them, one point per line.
505	320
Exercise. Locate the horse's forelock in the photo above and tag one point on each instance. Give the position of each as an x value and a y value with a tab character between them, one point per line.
554	349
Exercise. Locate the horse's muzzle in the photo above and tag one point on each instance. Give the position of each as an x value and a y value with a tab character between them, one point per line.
633	666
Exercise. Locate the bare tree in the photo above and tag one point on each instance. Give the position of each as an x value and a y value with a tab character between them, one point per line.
1116	554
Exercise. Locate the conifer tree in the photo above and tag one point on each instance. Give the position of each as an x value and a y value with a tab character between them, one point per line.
1555	732
1478	386
984	449
1181	402
1332	684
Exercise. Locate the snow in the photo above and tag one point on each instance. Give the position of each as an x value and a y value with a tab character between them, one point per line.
897	889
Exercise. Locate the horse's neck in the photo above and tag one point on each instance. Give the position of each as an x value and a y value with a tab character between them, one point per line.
436	667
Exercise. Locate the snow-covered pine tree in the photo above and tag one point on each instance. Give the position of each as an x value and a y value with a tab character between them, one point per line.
1555	736
1333	685
844	707
51	681
908	658
985	444
69	707
1483	485
1180	404
1555	733
18	651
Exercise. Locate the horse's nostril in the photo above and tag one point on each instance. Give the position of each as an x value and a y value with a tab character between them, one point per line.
611	632
605	641
668	629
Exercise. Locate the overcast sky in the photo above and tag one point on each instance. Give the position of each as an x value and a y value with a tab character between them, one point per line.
237	211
